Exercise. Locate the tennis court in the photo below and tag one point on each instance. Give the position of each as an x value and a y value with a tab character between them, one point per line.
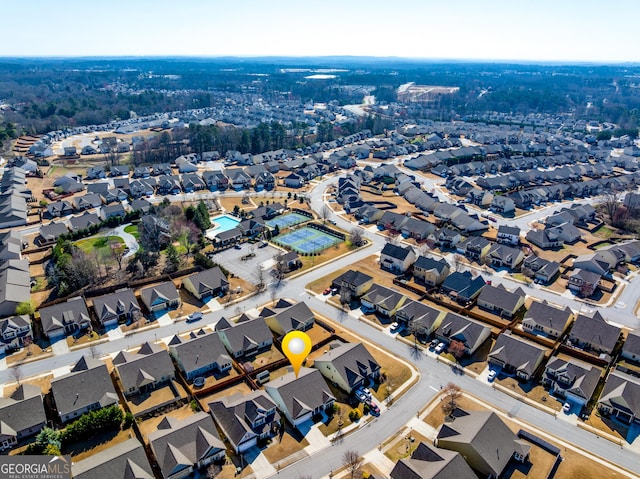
307	240
286	221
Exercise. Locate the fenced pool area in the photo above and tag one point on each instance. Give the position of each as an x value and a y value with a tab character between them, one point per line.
307	240
286	221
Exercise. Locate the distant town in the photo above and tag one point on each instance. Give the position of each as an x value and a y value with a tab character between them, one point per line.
464	263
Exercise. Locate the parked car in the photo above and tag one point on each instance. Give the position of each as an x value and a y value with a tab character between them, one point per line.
492	375
394	325
365	391
440	347
327	291
237	246
434	343
360	396
194	317
262	244
333	222
566	407
374	409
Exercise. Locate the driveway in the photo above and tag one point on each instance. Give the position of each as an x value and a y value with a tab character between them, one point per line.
247	269
128	238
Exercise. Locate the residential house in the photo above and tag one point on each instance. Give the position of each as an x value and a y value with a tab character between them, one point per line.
238	178
117	170
600	262
141	205
631	347
50	233
245	338
484	440
160	169
475	248
294	180
14	285
501	301
429	462
146	370
352	284
289	261
140	188
503	205
542	318
302	397
114	195
383	300
87	387
59	208
509	235
192	182
206	284
84	221
294	318
112	211
246	419
141	172
161	297
469	332
396	258
348	365
64	318
502	256
15	332
571	379
95	172
544	238
542	270
215	180
419	317
119	306
264	181
514	355
594	334
417	229
430	271
445	238
621	397
200	355
157	228
463	286
21	415
87	202
183	446
169	185
124	460
583	282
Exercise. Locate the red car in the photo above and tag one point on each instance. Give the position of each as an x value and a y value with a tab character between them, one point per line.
327	291
373	407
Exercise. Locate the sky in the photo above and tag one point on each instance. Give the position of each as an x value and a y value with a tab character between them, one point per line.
532	30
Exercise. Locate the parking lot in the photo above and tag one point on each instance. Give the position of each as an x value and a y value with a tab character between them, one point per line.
247	269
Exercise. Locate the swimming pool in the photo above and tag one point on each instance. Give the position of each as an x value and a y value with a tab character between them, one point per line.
224	223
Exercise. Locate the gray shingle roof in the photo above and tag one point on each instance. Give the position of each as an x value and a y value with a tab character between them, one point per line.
352	361
522	355
595	330
125	460
200	351
151	361
303	394
55	317
23	409
429	462
245	333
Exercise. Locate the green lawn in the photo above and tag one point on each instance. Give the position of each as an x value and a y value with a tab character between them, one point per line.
133	230
98	243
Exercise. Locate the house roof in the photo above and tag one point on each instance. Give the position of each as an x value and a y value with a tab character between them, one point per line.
209	279
115	304
595	330
428	263
23	409
303	394
159	293
184	442
523	355
382	296
84	221
622	391
632	343
202	350
88	383
464	284
124	460
57	316
295	317
544	314
52	230
429	462
245	334
509	230
353	278
396	252
352	361
575	376
463	329
150	363
484	433
501	297
418	313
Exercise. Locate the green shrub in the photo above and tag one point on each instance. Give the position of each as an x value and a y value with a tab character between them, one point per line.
354	415
128	420
93	422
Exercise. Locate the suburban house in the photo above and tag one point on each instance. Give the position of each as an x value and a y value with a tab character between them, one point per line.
349	365
503	205
126	460
383	300
542	270
112	211
199	355
116	307
246	419
206	284
215	180
462	286
397	259
88	387
469	332
50	233
600	262
501	301
15	332
571	379
352	284
484	440
503	256
419	317
288	261
631	347
238	178
430	271
621	397
182	446
432	462
509	235
294	318
84	221
64	318
514	355
245	338
156	228
544	238
59	208
474	247
583	282
147	369
88	201
301	398
21	415
161	297
542	318
594	334
294	180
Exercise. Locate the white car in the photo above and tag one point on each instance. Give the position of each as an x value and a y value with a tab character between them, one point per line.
362	397
365	391
440	347
566	407
394	325
492	375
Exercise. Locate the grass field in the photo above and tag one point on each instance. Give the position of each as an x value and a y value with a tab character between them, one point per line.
133	230
100	244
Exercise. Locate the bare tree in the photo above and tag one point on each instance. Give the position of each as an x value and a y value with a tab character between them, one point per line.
352	461
611	203
325	213
213	471
451	393
16	372
260	275
456	262
118	250
356	236
456	348
94	351
416	328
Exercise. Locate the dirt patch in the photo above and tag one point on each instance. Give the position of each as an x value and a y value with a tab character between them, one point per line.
43	382
97	443
152	399
150	425
284	445
404	446
240	388
535	392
